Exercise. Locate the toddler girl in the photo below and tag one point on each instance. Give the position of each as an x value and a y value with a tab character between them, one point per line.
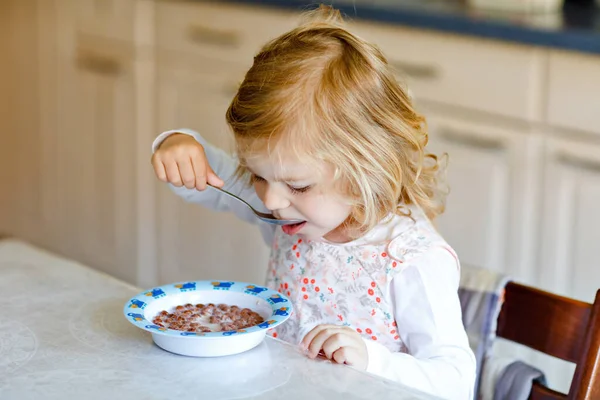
325	134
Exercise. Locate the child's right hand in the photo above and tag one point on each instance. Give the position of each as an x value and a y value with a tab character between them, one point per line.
180	160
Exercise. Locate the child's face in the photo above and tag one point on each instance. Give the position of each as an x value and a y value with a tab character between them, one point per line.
295	190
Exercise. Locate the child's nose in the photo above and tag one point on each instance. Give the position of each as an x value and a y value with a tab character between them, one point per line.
274	199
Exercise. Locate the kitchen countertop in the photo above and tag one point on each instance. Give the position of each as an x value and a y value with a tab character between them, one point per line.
576	28
63	336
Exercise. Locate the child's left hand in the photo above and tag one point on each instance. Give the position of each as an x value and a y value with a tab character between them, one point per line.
339	343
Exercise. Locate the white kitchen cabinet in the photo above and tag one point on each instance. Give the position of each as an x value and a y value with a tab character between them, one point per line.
93	104
87	128
494	214
490	76
204	50
571	219
490	214
107	18
20	148
92	209
68	137
194	242
573	87
568	240
227	32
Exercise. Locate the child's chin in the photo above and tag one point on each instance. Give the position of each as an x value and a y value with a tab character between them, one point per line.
311	235
308	234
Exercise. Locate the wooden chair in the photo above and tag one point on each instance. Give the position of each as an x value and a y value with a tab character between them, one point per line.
558	326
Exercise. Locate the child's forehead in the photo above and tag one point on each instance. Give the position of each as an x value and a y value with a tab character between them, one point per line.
284	168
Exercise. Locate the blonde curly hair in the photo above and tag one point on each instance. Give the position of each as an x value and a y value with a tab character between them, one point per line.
330	96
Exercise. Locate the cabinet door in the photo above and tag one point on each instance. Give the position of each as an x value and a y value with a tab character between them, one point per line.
20	148
570	235
574	75
570	262
89	159
108	18
197	243
490	216
229	32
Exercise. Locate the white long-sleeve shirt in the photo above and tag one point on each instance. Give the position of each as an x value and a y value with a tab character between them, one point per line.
408	314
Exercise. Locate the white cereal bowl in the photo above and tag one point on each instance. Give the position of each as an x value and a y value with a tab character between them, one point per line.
274	307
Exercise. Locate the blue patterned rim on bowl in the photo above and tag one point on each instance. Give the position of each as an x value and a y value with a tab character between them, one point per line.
134	309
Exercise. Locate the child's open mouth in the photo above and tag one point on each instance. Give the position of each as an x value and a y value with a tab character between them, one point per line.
293	229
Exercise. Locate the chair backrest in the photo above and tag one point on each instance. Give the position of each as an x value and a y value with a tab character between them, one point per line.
559	326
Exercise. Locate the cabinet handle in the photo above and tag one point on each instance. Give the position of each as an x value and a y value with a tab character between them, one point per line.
478	142
416	70
98	64
578	162
204	35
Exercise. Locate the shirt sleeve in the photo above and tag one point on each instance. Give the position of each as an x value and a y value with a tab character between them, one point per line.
428	315
224	166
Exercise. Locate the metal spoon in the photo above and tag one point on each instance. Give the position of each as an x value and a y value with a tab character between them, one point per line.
268	218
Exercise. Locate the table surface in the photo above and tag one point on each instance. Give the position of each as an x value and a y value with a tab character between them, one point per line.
63	336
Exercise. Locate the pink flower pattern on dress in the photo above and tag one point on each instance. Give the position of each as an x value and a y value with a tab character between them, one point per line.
346	284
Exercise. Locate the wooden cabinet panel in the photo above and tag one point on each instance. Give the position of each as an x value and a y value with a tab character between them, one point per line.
197	243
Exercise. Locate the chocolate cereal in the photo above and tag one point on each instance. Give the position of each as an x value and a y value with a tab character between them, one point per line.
207	318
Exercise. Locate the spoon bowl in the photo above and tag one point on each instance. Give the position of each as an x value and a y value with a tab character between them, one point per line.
268	218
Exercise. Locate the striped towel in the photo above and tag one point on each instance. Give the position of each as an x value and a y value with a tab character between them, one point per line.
480	292
498	378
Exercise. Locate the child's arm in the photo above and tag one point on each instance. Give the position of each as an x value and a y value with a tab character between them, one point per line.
428	317
224	165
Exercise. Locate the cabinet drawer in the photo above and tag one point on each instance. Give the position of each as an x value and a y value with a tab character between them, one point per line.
114	19
478	74
226	32
574	91
102	56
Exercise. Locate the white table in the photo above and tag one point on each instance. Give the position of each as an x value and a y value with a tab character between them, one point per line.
63	336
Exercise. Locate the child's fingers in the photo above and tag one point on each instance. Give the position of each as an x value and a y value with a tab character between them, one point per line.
314	332
311	335
212	178
334	342
159	169
173	175
321	337
187	173
344	355
199	166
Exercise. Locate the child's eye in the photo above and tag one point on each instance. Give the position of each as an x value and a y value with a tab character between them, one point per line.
255	178
296	190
